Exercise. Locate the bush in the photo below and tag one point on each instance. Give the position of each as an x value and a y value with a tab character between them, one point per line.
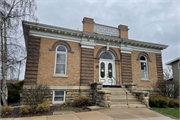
44	107
25	109
6	110
81	101
158	101
14	91
173	103
35	95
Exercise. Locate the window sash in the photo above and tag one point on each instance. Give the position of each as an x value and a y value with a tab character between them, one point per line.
144	70
55	97
60	72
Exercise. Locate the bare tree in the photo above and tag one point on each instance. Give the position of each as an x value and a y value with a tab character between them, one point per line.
168	88
12	50
167	72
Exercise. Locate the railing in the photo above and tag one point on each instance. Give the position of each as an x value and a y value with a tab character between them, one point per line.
123	89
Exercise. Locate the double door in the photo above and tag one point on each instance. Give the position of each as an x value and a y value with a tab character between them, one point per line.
107	72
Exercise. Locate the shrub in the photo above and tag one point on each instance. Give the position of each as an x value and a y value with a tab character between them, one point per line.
14	91
158	101
173	103
44	107
35	95
68	103
81	101
6	110
25	109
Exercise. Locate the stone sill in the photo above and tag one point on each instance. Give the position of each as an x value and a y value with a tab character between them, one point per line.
147	80
60	76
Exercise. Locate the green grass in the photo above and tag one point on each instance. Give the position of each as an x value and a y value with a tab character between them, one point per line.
170	112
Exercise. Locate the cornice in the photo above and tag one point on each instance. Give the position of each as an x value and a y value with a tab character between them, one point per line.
49	31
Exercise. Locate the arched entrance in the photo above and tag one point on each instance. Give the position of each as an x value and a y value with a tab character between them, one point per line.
107	68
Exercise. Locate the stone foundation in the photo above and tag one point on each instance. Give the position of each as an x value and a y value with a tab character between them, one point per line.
100	97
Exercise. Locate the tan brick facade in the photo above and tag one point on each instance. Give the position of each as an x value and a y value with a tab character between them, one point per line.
47	63
136	70
46	66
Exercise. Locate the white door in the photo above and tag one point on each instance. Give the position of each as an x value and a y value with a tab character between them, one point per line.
107	72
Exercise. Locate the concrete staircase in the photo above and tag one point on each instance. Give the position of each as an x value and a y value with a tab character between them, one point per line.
118	99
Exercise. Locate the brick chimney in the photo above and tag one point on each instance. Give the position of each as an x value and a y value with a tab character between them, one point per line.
88	25
123	31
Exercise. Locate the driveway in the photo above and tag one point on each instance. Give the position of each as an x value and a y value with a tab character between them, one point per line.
105	114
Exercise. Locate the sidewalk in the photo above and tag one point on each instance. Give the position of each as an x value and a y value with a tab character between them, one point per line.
106	114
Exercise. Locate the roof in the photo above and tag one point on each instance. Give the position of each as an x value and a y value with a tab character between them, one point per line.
31	28
174	60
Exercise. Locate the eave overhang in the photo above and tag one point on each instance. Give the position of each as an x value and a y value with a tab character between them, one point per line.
43	28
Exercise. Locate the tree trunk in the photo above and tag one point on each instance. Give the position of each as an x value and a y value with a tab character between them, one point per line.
4	69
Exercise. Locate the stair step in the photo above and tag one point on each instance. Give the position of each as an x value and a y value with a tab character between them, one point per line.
114	89
122	96
130	105
123	99
130	102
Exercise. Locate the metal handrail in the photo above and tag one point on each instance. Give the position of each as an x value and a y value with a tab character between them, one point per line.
123	89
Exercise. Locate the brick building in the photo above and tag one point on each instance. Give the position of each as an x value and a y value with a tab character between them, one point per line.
68	59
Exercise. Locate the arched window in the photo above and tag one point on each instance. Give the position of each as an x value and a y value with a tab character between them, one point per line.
144	67
61	60
106	55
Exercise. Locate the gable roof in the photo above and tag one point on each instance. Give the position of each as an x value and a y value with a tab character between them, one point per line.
174	60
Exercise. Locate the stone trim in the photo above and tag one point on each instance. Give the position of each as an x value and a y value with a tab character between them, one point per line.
126	63
60	87
60	42
143	54
33	52
110	49
159	66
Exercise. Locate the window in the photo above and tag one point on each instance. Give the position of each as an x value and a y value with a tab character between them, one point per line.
102	70
61	60
110	70
144	68
58	96
178	65
106	55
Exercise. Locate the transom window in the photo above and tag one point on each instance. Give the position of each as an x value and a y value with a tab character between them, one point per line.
106	55
61	60
144	67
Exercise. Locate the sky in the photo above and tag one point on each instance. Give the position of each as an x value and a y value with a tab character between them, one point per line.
154	21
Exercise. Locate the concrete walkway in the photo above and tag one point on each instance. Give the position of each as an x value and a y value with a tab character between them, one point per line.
106	114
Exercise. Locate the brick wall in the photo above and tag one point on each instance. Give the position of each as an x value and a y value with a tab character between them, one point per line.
136	70
32	61
87	66
159	66
126	68
47	63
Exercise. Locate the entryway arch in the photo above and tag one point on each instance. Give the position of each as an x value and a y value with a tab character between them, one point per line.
107	68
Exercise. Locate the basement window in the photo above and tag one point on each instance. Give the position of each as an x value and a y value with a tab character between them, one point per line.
59	96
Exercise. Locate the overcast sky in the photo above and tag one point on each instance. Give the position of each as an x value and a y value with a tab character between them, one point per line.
150	21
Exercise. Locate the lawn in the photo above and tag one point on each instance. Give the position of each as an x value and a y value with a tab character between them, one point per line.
170	112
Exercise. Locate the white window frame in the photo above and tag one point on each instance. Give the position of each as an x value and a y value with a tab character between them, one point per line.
59	101
59	52
144	61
